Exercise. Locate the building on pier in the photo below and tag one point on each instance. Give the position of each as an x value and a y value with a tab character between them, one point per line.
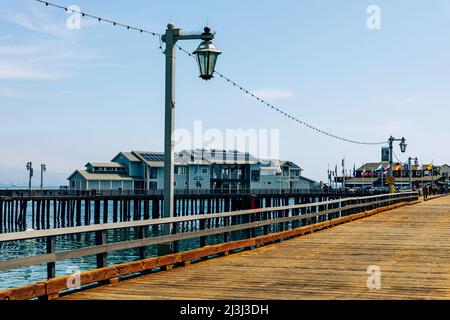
374	175
194	169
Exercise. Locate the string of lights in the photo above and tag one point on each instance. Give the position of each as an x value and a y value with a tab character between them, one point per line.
221	75
261	100
291	117
99	19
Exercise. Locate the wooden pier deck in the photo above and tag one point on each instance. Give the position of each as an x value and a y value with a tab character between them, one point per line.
411	245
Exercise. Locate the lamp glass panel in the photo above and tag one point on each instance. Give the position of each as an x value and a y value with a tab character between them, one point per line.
202	62
212	63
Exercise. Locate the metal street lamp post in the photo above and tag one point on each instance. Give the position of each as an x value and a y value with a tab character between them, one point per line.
410	171
403	146
432	175
206	55
43	169
343	174
30	175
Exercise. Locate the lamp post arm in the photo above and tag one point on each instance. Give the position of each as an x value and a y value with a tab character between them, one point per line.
204	37
391	162
178	35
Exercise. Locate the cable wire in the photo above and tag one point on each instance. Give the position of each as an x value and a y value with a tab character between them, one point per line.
221	75
398	160
100	19
261	100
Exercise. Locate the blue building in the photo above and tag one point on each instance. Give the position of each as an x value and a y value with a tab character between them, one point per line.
194	169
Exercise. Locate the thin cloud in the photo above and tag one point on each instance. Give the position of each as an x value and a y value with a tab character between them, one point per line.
10	93
19	50
44	61
273	93
21	72
22	20
35	19
38	23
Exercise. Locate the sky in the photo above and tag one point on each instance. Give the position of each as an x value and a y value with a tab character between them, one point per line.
68	97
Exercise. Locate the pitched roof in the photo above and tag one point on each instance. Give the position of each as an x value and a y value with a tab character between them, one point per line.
290	164
373	166
101	176
105	164
129	155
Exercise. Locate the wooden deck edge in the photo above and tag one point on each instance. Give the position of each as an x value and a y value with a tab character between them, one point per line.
435	197
50	289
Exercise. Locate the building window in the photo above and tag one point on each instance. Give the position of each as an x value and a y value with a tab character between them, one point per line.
174	183
255	175
181	170
153	185
204	170
153	173
269	182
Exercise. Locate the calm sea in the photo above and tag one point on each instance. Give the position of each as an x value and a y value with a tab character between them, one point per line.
29	275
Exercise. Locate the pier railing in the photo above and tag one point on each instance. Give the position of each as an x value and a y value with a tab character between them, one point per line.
284	217
178	192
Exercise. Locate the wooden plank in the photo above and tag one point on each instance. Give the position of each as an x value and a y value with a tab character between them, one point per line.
55	286
101	249
24	293
95	250
28	261
408	244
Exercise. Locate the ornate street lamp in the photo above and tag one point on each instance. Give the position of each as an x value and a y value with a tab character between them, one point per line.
207	55
403	145
391	162
43	169
416	163
30	175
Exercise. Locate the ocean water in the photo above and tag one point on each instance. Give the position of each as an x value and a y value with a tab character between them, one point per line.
26	248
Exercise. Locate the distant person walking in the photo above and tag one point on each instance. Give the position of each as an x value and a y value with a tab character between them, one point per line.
425	192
